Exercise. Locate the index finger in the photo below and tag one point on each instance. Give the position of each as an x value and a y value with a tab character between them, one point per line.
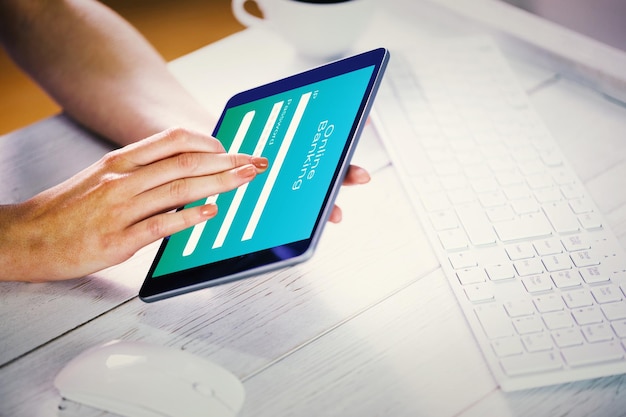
171	142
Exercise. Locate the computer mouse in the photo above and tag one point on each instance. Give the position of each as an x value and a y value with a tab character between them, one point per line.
137	379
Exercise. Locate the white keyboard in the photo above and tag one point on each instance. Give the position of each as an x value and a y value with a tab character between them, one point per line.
538	274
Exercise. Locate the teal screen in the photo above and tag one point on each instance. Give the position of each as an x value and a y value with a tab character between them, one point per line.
303	133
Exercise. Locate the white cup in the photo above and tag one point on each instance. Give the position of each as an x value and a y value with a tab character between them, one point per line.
321	30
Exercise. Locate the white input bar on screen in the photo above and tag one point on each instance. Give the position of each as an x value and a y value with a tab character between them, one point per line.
276	166
197	230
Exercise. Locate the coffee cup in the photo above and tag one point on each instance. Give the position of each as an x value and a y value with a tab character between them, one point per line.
318	29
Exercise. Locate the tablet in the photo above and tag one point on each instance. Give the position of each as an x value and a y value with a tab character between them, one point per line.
307	125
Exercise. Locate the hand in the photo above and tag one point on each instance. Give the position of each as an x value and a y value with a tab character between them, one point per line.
355	176
103	215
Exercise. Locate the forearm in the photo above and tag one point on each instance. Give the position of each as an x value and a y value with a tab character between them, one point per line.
98	68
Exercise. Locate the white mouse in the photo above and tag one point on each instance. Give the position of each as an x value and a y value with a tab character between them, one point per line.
137	379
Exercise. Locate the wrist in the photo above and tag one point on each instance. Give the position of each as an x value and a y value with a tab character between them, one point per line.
11	255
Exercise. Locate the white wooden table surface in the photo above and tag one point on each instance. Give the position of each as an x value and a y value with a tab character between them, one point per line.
368	327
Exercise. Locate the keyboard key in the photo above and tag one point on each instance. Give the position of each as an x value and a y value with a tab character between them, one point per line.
516	192
449	169
562	177
534	168
593	275
461	196
500	272
523	152
507	346
547	195
509	178
568	337
451	180
427	183
558	320
520	251
584	258
527	226
532	363
580	206
477	293
471	276
537	283
551	158
567	279
572	191
482	184
548	247
501	164
598	333
614	311
590	221
561	217
500	214
470	157
574	243
444	220
593	353
461	260
558	262
528	324
578	298
435	201
476	225
454	239
439	155
540	180
494	320
607	294
587	315
492	199
525	206
519	308
527	267
537	342
548	303
619	327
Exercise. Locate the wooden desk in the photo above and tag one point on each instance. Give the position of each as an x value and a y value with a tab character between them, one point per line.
368	327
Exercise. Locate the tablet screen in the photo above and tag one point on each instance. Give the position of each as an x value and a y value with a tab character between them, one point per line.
304	131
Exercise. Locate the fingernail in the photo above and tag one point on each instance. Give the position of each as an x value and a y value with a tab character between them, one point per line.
209	210
246	171
260	162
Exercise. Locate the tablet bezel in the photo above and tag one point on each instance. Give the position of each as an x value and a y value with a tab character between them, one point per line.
228	270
